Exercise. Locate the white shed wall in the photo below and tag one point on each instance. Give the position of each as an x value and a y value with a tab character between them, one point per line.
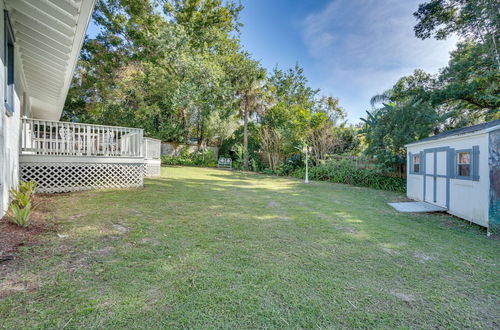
9	126
415	185
467	199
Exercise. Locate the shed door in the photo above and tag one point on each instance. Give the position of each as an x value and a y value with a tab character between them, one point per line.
436	177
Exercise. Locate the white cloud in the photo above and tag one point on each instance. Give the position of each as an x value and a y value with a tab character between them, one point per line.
361	47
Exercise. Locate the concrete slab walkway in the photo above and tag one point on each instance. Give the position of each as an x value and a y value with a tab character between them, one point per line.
417	207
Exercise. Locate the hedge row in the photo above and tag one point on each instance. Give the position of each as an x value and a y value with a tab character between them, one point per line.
199	158
340	172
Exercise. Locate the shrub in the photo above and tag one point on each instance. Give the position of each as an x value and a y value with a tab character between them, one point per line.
346	172
240	155
205	158
20	208
291	165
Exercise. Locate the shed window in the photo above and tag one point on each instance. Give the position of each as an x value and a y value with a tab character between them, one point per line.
464	164
416	163
9	64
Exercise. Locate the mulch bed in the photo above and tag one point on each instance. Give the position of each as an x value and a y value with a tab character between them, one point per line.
13	236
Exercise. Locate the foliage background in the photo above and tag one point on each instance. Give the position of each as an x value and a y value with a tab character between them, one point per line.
177	69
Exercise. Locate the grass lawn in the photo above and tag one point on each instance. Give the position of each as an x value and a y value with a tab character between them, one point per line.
213	248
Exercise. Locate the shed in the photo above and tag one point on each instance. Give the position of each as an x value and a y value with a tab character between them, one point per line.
459	170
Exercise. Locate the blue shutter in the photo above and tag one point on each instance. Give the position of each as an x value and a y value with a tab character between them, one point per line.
422	162
410	163
475	163
452	163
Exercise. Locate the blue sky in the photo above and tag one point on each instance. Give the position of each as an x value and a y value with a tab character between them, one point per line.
350	49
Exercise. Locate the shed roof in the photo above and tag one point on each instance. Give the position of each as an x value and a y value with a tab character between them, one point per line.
460	131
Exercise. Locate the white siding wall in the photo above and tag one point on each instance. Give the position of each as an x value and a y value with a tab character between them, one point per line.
415	187
468	199
9	128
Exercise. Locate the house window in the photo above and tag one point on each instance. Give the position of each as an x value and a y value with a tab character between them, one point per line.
464	164
9	64
416	163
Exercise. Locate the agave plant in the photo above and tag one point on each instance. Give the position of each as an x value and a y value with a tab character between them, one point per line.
20	208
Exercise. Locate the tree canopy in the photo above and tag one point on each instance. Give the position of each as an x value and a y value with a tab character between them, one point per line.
465	92
177	69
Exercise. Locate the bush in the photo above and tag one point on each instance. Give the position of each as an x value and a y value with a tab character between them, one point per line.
346	172
205	158
291	165
20	208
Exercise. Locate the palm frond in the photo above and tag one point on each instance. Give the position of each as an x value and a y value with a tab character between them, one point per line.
380	98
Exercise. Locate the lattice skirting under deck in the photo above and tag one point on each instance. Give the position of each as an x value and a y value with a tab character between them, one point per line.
152	168
66	177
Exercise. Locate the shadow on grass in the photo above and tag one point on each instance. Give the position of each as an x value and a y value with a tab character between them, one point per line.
204	248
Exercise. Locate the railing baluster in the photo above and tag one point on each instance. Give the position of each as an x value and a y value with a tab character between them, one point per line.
119	142
41	138
50	138
73	139
131	143
23	136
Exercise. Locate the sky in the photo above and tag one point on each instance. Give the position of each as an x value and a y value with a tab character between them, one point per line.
350	49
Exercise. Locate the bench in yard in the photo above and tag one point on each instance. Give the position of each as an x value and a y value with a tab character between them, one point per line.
224	163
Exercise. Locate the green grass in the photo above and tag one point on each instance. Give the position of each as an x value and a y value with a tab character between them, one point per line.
210	248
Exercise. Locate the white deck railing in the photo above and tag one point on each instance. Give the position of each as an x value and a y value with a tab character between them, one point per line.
152	148
45	137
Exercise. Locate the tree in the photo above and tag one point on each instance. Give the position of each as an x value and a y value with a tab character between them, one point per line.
465	92
324	120
252	94
293	104
473	20
271	142
469	84
389	128
291	87
167	69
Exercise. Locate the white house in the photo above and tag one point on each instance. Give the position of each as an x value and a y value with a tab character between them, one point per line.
459	170
40	41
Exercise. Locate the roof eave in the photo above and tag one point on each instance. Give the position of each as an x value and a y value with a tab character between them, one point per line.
454	137
82	25
49	36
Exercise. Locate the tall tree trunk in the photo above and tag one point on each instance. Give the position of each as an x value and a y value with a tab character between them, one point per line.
245	136
201	137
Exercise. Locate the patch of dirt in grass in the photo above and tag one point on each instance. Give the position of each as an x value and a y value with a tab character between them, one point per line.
277	206
9	287
121	228
422	257
82	261
347	229
77	263
151	241
102	252
273	204
406	297
392	252
13	236
137	213
152	296
76	216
